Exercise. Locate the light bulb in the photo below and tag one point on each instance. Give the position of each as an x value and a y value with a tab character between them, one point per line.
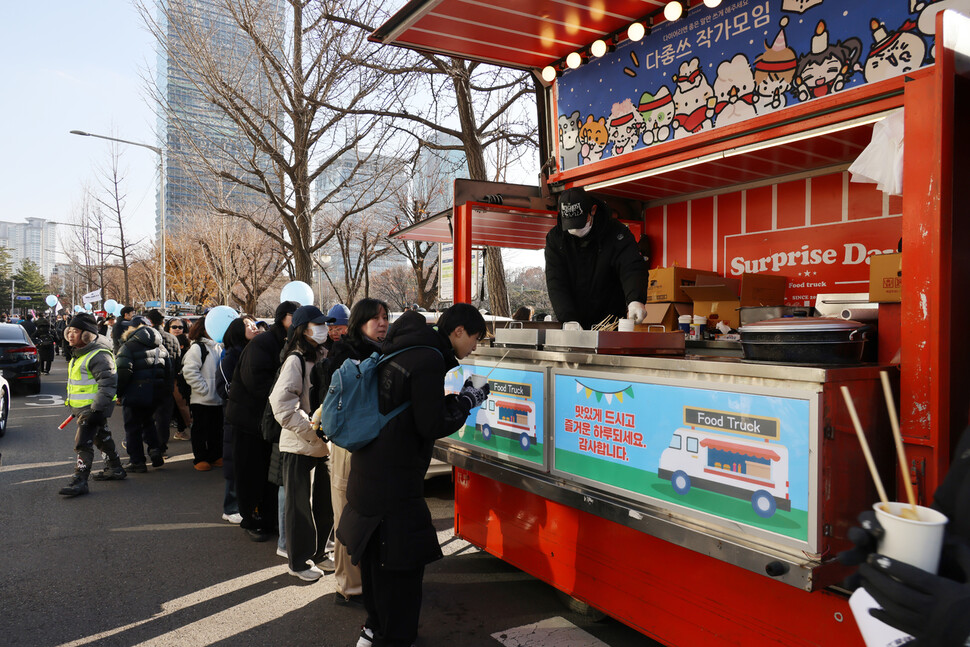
548	74
710	4
574	60
598	48
673	10
636	31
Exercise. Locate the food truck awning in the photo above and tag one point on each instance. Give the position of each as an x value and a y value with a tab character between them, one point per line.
748	450
492	225
524	34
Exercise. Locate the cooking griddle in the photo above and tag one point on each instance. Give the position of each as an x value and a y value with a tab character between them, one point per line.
615	343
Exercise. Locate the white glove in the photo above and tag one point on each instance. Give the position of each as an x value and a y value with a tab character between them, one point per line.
636	311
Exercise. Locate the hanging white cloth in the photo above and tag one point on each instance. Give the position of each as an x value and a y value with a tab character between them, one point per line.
881	163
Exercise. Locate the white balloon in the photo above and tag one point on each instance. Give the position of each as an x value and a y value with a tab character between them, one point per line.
297	291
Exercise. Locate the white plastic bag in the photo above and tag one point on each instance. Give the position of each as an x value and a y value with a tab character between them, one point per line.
881	163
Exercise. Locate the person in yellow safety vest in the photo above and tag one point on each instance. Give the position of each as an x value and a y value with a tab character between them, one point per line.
92	382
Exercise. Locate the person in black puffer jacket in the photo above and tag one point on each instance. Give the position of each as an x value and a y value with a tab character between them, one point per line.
238	334
386	525
252	381
144	374
162	415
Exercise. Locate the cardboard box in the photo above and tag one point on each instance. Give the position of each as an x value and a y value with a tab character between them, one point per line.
720	298
663	314
665	283
885	278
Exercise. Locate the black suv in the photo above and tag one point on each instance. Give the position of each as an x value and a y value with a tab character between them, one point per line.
18	358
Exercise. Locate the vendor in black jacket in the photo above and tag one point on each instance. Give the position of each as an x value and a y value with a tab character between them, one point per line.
593	266
386	525
252	381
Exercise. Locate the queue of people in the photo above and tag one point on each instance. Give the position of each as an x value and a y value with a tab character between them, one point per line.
251	402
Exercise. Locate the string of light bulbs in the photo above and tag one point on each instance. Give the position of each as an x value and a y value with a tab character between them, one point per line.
673	10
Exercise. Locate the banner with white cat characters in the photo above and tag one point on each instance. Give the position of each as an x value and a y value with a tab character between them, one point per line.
742	59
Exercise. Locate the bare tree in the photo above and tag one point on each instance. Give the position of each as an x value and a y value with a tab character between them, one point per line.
284	86
396	287
466	106
84	244
112	199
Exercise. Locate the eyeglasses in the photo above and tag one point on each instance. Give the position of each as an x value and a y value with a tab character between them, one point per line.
176	327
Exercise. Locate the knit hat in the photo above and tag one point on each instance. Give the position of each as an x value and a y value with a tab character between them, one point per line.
340	315
84	321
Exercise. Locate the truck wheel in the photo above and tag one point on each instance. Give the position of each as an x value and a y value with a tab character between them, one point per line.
486	432
524	441
680	482
763	503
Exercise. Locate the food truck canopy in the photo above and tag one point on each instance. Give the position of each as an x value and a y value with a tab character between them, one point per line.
737	448
524	34
493	225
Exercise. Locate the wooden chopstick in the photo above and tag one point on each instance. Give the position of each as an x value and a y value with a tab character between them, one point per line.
865	445
897	436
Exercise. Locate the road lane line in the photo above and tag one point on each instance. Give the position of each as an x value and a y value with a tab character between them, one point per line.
552	631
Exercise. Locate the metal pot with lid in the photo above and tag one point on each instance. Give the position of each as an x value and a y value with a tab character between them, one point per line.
804	340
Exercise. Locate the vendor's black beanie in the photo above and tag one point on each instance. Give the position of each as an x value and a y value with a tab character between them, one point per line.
84	321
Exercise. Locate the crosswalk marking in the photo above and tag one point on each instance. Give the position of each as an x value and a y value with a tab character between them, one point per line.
552	631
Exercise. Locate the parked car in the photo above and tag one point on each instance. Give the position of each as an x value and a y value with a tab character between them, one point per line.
4	405
18	358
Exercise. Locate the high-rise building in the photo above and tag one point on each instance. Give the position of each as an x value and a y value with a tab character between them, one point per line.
190	126
35	240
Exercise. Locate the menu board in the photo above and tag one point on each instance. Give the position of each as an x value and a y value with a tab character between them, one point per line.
742	458
724	65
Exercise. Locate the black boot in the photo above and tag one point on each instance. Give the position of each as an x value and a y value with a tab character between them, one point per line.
113	471
156	456
78	485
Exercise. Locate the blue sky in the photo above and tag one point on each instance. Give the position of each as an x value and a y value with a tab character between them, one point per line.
73	65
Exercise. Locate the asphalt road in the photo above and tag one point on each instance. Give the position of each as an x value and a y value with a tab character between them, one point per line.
149	561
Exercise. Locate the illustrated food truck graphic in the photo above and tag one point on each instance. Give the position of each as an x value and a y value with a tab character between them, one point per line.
508	412
744	464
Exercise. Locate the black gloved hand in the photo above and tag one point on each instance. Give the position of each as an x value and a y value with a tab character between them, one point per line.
933	609
472	396
864	538
91	417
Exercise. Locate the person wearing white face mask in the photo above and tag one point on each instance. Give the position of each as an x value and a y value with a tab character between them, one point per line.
594	268
308	510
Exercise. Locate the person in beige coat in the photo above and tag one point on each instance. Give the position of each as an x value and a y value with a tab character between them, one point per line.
308	511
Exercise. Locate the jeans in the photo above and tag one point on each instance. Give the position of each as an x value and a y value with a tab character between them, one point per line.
139	428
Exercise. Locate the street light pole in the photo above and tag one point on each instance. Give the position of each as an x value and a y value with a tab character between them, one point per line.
161	197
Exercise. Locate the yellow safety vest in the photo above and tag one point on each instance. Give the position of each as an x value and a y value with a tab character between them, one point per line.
81	385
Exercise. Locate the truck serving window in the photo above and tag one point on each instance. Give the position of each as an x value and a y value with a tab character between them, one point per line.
692	444
675	441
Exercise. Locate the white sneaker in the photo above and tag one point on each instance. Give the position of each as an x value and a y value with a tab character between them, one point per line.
281	552
311	574
232	518
366	638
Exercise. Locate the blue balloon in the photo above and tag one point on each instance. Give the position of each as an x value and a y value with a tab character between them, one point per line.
89	307
51	300
297	291
118	308
78	309
217	320
110	305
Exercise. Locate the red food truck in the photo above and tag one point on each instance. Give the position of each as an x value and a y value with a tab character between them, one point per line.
725	135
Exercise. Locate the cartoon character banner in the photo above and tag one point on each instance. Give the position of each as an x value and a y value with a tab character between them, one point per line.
742	59
510	423
740	457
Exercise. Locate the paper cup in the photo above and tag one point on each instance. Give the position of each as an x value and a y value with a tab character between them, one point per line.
908	540
625	325
478	381
684	322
